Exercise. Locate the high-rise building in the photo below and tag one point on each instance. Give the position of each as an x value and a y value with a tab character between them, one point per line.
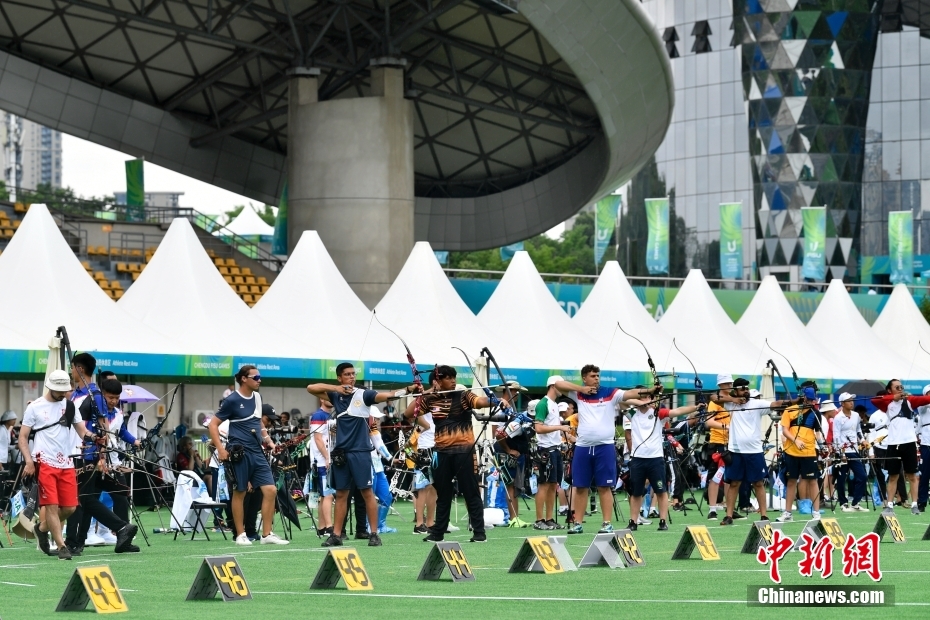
784	104
31	151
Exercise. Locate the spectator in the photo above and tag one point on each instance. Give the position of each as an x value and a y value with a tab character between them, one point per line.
189	459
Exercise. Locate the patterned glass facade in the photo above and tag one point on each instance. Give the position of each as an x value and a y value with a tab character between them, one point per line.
797	103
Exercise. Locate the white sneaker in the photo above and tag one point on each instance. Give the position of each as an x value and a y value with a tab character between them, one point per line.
94	540
785	517
858	508
242	539
653	513
108	538
452	528
272	539
815	515
641	521
848	508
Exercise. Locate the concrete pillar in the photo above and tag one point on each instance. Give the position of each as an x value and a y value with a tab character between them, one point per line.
350	177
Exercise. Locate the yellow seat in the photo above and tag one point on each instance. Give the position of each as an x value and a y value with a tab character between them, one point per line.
104	284
99	276
135	267
247	298
85	263
230	262
224	270
234	271
250	280
238	280
261	280
116	294
246	271
16	223
136	275
255	289
116	285
20	207
242	288
211	253
121	267
136	253
228	279
265	288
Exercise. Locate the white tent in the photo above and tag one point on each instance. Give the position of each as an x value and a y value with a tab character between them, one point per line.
902	327
46	287
248	224
538	331
771	318
182	293
840	329
613	301
425	310
311	300
705	333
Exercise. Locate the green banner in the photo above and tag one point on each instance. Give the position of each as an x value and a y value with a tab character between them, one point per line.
815	240
731	240
657	244
279	243
135	190
605	222
901	246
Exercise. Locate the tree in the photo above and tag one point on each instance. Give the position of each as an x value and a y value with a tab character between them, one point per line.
4	194
64	199
267	214
925	308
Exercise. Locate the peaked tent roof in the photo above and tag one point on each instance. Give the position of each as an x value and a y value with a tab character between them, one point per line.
537	329
54	289
613	301
182	293
837	324
249	224
425	309
902	327
333	323
705	333
770	317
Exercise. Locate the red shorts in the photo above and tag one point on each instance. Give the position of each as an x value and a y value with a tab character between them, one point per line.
57	487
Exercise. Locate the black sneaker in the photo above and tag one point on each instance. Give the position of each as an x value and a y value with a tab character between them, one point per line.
420	529
662	525
737	516
64	553
124	537
712	515
374	540
42	539
129	549
553	525
678	507
764	518
343	537
332	541
727	521
632	525
76	550
362	535
432	538
541	525
479	538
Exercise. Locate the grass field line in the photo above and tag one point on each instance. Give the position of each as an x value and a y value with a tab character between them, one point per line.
554	599
19	566
13	583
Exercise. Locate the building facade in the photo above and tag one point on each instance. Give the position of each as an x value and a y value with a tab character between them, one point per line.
31	154
784	104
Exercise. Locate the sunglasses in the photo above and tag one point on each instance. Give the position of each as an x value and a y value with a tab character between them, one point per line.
255	377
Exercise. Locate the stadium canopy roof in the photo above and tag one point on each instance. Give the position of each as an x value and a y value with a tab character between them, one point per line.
522	117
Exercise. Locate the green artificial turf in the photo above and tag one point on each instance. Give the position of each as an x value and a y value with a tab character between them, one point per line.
155	582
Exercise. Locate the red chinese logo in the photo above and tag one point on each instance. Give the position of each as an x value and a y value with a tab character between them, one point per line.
771	554
818	555
861	556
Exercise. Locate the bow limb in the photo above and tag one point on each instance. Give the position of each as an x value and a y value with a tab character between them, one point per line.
652	367
794	374
698	384
417	381
487	353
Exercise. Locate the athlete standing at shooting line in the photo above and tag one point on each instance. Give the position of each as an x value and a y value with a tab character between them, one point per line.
51	417
801	431
847	430
455	452
246	437
595	458
719	424
902	437
350	458
549	427
923	436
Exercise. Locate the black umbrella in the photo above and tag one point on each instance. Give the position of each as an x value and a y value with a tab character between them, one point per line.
862	387
287	507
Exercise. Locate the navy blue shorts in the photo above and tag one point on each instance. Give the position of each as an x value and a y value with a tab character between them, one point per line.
594	463
356	472
651	469
797	467
554	471
254	468
745	468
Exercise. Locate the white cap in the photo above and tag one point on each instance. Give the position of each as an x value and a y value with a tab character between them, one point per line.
531	406
551	380
847	396
754	393
826	406
721	379
926	389
563	406
376	413
58	381
7	416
